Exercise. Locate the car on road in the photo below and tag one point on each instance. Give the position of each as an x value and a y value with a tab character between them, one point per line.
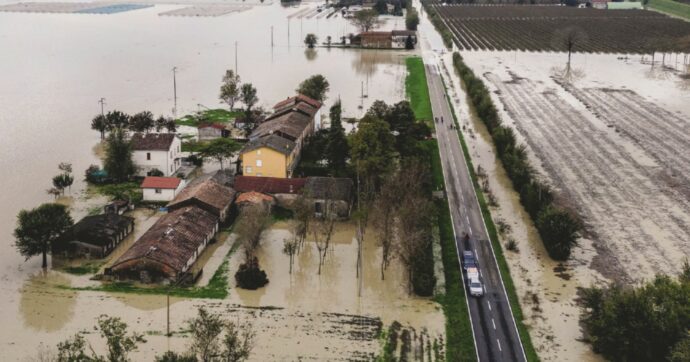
475	286
468	259
472	273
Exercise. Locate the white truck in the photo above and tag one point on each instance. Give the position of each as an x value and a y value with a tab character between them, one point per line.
473	283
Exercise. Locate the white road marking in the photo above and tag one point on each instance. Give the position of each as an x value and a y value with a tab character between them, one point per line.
493	323
489	304
499	345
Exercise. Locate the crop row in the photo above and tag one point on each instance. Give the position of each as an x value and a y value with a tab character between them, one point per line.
536	11
606	35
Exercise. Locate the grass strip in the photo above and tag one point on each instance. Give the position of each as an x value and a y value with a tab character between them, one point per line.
417	89
503	267
671	7
217	287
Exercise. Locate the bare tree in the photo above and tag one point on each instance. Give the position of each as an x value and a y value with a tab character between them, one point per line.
254	220
291	244
569	38
383	219
366	20
303	210
323	222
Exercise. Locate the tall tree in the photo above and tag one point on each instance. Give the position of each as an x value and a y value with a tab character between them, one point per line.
220	149
303	210
205	330
381	7
314	87
366	20
384	218
253	222
142	122
118	156
249	98
39	228
230	89
116	120
372	151
323	224
337	149
100	124
291	244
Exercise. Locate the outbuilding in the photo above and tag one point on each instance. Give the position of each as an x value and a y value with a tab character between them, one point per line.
94	236
161	188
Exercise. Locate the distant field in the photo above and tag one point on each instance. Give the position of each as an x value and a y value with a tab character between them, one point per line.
543	28
681	9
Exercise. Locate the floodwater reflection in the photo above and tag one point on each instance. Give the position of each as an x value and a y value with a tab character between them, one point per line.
44	307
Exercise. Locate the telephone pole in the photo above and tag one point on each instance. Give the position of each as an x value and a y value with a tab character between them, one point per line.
102	102
174	70
236	72
271	36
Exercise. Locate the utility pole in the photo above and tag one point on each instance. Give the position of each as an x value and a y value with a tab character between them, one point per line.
271	36
236	72
174	70
102	102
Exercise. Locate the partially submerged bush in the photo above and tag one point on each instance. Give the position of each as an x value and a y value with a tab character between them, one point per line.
250	276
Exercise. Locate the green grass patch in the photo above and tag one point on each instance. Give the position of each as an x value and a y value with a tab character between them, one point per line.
671	7
217	115
503	267
417	89
217	287
83	269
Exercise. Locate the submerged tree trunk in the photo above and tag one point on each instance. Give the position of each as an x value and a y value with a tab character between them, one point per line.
45	258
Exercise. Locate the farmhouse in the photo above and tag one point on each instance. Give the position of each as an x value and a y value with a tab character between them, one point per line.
161	188
396	39
211	131
274	147
94	236
169	248
399	38
156	151
206	193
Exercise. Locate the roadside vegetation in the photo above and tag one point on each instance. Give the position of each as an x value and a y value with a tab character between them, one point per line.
436	19
650	322
558	227
219	115
417	89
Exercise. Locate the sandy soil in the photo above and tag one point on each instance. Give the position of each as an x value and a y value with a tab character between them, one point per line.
627	186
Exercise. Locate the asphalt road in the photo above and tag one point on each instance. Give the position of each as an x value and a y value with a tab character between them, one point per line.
495	333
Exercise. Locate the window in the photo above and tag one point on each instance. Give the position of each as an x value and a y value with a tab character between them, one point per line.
158	191
259	163
259	174
258	152
248	169
148	156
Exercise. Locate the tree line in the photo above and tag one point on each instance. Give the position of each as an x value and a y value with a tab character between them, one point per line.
650	322
140	122
557	226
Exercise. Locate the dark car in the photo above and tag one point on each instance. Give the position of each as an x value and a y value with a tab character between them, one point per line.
468	260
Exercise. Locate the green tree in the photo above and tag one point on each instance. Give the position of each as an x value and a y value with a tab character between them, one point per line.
237	345
142	122
558	230
100	124
411	19
230	89
366	20
74	350
409	43
63	181
205	329
314	87
219	149
116	120
39	228
118	156
310	40
337	149
646	323
119	343
681	350
372	151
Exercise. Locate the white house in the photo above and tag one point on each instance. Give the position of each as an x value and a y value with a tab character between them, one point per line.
156	151
161	188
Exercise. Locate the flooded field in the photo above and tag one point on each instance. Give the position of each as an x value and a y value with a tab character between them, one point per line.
628	189
52	80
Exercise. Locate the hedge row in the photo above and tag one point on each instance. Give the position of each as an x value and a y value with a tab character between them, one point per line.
440	26
557	226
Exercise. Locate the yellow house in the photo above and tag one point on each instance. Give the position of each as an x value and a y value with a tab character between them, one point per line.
270	156
274	147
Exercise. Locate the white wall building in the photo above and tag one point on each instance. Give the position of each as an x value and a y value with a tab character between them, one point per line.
156	151
161	188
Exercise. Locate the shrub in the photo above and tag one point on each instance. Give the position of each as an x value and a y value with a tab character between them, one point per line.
423	278
250	276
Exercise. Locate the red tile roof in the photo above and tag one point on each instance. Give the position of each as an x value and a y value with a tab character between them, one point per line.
296	99
155	182
253	197
269	185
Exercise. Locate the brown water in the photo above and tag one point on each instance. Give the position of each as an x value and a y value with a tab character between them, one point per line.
53	70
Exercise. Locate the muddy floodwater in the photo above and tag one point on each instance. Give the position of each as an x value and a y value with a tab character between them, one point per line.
54	67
